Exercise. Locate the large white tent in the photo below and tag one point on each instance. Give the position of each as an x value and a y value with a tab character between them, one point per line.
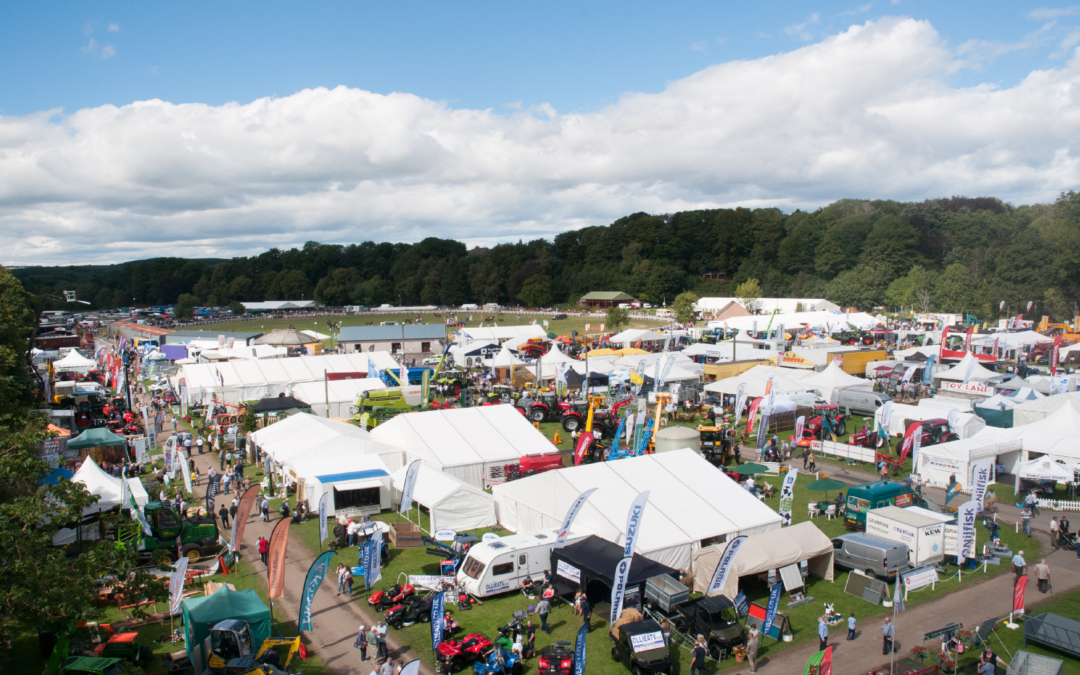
959	372
305	437
937	464
967	424
356	484
812	320
335	398
690	501
452	504
74	362
515	336
236	381
834	379
767	551
785	381
465	442
631	336
1033	410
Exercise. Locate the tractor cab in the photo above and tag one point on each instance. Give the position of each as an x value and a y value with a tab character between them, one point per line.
714	444
937	431
230	645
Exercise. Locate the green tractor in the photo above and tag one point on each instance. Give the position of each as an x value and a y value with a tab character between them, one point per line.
454	380
197	537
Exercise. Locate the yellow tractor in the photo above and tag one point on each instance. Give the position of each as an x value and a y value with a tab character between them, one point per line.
232	651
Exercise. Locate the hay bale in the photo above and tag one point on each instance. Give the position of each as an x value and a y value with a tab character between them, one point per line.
629	615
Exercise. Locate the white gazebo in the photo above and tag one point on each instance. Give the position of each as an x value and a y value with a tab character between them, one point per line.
74	362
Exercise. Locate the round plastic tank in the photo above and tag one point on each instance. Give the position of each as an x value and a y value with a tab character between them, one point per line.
676	438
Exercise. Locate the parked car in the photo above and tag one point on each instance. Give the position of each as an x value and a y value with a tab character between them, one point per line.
875	557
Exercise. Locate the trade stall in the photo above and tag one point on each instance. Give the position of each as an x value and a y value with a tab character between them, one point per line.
767	551
967	378
472	444
784	381
938	464
834	379
100	444
357	485
691	502
74	362
590	565
1034	410
108	488
967	424
305	437
452	503
1042	470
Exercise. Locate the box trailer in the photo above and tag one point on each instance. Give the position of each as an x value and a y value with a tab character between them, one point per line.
924	536
853	362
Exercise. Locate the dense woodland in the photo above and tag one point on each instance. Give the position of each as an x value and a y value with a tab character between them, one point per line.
957	254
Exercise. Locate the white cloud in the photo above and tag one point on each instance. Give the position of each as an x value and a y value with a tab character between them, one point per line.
700	46
1044	13
108	51
801	29
974	53
858	10
113	28
869	113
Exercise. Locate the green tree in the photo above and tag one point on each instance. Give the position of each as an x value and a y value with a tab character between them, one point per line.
954	290
337	287
185	306
237	308
684	306
616	319
536	291
891	242
749	294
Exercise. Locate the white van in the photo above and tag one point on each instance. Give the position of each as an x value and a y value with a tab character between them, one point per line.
500	566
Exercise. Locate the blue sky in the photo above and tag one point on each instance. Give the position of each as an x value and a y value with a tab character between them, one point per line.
576	56
133	130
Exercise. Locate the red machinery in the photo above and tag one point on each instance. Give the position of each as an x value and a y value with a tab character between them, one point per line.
533	464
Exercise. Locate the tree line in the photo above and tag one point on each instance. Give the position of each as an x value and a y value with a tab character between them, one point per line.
957	255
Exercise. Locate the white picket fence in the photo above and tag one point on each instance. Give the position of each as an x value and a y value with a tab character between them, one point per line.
844	450
1057	505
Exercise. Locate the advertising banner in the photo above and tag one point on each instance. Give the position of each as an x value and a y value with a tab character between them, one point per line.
176	585
774	601
584	442
438	622
373	559
800	424
323	503
580	651
1019	591
720	575
275	569
965	518
243	511
909	438
622	569
750	416
571	514
981	474
787	496
410	484
316	574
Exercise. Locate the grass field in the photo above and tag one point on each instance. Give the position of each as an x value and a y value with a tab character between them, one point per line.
562	327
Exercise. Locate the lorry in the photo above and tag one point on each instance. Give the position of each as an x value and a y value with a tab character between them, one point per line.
875	495
195	537
923	535
502	565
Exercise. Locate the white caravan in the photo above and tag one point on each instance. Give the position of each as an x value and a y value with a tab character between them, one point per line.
502	565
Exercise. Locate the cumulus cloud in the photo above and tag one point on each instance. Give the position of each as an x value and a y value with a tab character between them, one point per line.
113	28
869	113
802	29
1044	13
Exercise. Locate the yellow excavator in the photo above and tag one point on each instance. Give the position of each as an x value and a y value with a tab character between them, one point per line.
232	651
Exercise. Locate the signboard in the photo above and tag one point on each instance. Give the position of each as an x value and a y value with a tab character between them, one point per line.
968	388
431	582
920	578
952	536
647	641
564	569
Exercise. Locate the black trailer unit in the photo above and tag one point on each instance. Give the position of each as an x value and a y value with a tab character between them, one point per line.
590	564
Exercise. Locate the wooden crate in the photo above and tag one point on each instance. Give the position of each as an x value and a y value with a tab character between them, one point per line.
405	535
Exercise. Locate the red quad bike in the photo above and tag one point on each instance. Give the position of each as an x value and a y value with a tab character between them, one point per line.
556	659
381	601
454	655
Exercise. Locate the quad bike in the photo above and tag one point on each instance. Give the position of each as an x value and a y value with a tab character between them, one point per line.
499	662
414	610
381	601
454	655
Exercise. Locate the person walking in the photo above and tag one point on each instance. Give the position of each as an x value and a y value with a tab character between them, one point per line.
1042	575
753	642
805	457
1032	503
543	608
348	581
223	513
813	462
530	639
851	627
264	550
372	639
284	510
586	614
1019	564
361	643
1063	528
822	633
1055	532
340	578
264	507
1025	520
887	634
697	657
232	508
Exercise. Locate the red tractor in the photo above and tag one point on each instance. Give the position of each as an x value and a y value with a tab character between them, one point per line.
605	420
530	465
837	422
867	438
454	655
546	407
937	431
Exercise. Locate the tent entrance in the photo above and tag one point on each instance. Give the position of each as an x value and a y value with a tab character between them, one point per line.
350	500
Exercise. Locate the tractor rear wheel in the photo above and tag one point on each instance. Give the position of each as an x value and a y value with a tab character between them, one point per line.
192	552
537	414
571	423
